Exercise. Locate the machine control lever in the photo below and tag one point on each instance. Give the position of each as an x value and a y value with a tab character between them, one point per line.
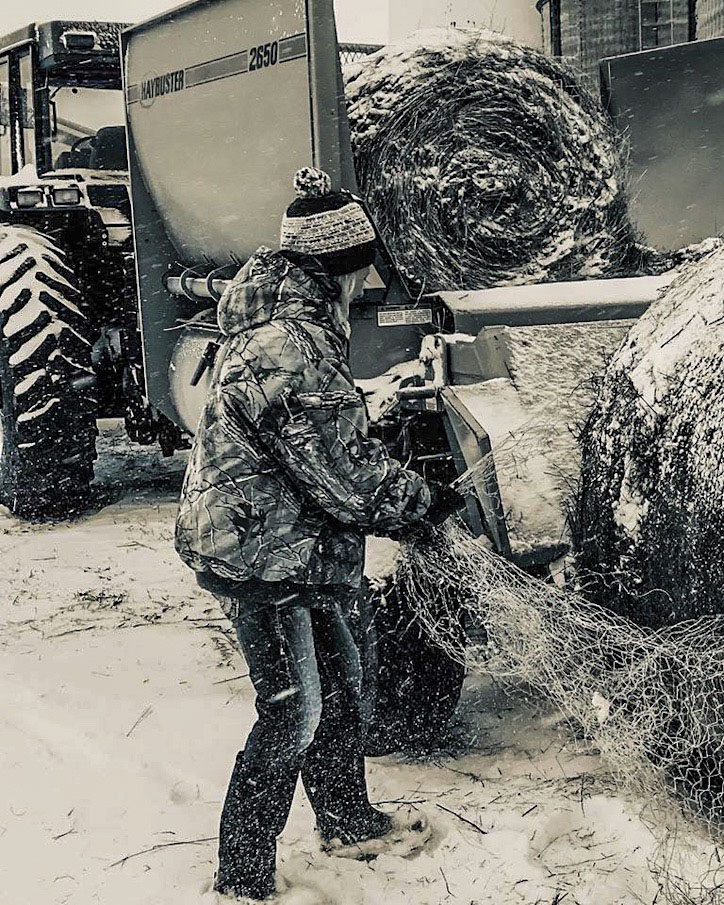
206	362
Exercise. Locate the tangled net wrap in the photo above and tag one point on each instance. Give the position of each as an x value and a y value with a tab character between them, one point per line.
649	530
651	701
486	163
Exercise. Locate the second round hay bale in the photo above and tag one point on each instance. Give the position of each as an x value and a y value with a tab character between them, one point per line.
487	163
649	528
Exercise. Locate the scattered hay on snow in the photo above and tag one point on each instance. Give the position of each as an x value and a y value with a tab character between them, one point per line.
487	163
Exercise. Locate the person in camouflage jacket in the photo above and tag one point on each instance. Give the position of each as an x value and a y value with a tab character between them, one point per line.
281	487
283	482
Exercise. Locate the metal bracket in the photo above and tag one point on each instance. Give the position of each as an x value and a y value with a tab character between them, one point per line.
187	274
213	275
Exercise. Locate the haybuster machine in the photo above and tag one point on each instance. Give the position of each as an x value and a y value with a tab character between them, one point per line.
70	345
226	99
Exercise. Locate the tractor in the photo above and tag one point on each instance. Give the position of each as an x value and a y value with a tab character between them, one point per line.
69	341
134	184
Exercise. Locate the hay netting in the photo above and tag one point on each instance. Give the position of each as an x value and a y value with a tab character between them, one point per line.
485	163
649	530
651	701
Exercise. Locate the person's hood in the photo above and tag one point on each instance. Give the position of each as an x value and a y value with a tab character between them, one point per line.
270	287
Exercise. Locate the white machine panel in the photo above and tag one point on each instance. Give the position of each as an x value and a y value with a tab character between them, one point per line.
218	101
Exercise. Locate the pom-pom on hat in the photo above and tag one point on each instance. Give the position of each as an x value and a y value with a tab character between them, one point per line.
312	183
330	226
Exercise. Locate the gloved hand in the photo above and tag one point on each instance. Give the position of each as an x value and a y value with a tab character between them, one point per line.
416	532
445	501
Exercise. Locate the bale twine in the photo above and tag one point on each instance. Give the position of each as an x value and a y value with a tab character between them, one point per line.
652	702
649	526
486	163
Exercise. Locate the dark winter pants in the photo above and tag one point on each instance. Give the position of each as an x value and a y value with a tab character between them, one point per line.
305	668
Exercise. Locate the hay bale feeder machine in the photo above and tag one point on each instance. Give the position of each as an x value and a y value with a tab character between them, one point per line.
110	267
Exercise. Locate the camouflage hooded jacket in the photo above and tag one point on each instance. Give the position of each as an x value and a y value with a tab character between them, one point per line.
283	482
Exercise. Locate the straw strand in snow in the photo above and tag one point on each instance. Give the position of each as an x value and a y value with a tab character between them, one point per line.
487	163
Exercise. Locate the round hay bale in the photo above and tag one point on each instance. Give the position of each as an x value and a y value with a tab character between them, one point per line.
649	527
486	163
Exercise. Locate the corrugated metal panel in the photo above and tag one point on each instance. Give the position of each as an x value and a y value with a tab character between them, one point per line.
710	18
667	102
594	29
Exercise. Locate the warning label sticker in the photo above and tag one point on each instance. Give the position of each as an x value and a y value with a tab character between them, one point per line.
403	317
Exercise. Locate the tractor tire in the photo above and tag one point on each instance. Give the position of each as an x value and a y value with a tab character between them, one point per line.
47	402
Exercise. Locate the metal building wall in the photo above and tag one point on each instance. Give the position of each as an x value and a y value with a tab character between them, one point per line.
709	19
594	29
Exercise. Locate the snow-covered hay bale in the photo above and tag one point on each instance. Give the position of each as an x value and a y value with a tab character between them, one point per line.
650	521
485	163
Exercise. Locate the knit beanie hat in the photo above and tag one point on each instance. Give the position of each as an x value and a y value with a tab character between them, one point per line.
330	226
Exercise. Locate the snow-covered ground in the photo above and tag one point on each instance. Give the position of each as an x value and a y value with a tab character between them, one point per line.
124	701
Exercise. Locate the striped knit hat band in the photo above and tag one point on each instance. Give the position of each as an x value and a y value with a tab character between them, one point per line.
330	226
328	231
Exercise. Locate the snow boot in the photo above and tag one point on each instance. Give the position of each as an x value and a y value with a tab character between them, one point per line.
221	898
231	892
289	893
404	833
247	871
247	847
214	897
